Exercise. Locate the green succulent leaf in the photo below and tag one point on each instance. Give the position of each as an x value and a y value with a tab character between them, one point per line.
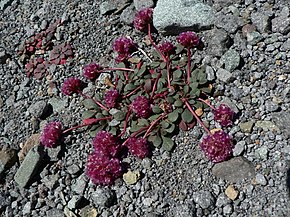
119	116
156	109
171	128
156	140
153	117
164	124
167	143
187	116
88	114
163	65
170	99
177	74
143	122
129	87
90	104
178	103
173	116
179	48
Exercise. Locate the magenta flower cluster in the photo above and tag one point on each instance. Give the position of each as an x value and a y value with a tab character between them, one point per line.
124	47
188	39
224	115
141	106
138	147
92	71
102	169
103	165
143	18
111	98
167	48
51	134
217	146
71	85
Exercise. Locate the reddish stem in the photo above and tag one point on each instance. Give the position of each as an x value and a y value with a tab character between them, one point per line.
154	123
188	65
96	101
154	45
196	117
119	69
131	93
126	122
206	102
168	72
155	85
84	125
135	134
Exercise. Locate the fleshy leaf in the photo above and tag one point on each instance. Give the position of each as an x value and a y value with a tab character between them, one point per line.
156	140
173	116
88	114
167	143
187	116
90	104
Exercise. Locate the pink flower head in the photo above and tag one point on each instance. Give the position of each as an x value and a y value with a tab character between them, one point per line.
224	115
102	169
124	47
71	85
91	71
106	144
188	39
143	18
51	134
138	147
111	98
167	48
141	106
217	146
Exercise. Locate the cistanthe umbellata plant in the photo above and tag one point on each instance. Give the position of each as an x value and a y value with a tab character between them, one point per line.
145	103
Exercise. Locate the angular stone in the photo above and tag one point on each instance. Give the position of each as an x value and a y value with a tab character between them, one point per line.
282	121
103	197
139	4
268	125
173	17
55	213
231	192
231	60
107	7
261	21
234	170
218	42
281	23
131	177
40	109
204	199
32	141
224	75
228	22
127	16
80	184
7	159
254	37
247	127
88	211
29	166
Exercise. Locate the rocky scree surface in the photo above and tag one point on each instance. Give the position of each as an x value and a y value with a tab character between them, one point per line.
247	56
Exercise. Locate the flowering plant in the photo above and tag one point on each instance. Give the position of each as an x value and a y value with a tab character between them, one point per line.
146	103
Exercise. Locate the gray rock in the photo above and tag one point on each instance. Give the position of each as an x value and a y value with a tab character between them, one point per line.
231	60
210	73
228	209
55	213
80	184
218	42
53	153
58	104
51	181
260	179
183	210
271	106
224	75
254	37
73	169
219	4
235	170
281	23
4	201
39	109
107	7
139	4
5	3
282	120
261	21
127	16
7	158
103	197
29	166
285	46
239	148
74	202
172	17
228	22
204	199
222	200
262	152
26	208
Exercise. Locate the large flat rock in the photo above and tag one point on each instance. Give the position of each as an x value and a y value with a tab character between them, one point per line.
173	17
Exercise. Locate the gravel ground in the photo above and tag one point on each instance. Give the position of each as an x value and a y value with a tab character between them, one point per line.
183	182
